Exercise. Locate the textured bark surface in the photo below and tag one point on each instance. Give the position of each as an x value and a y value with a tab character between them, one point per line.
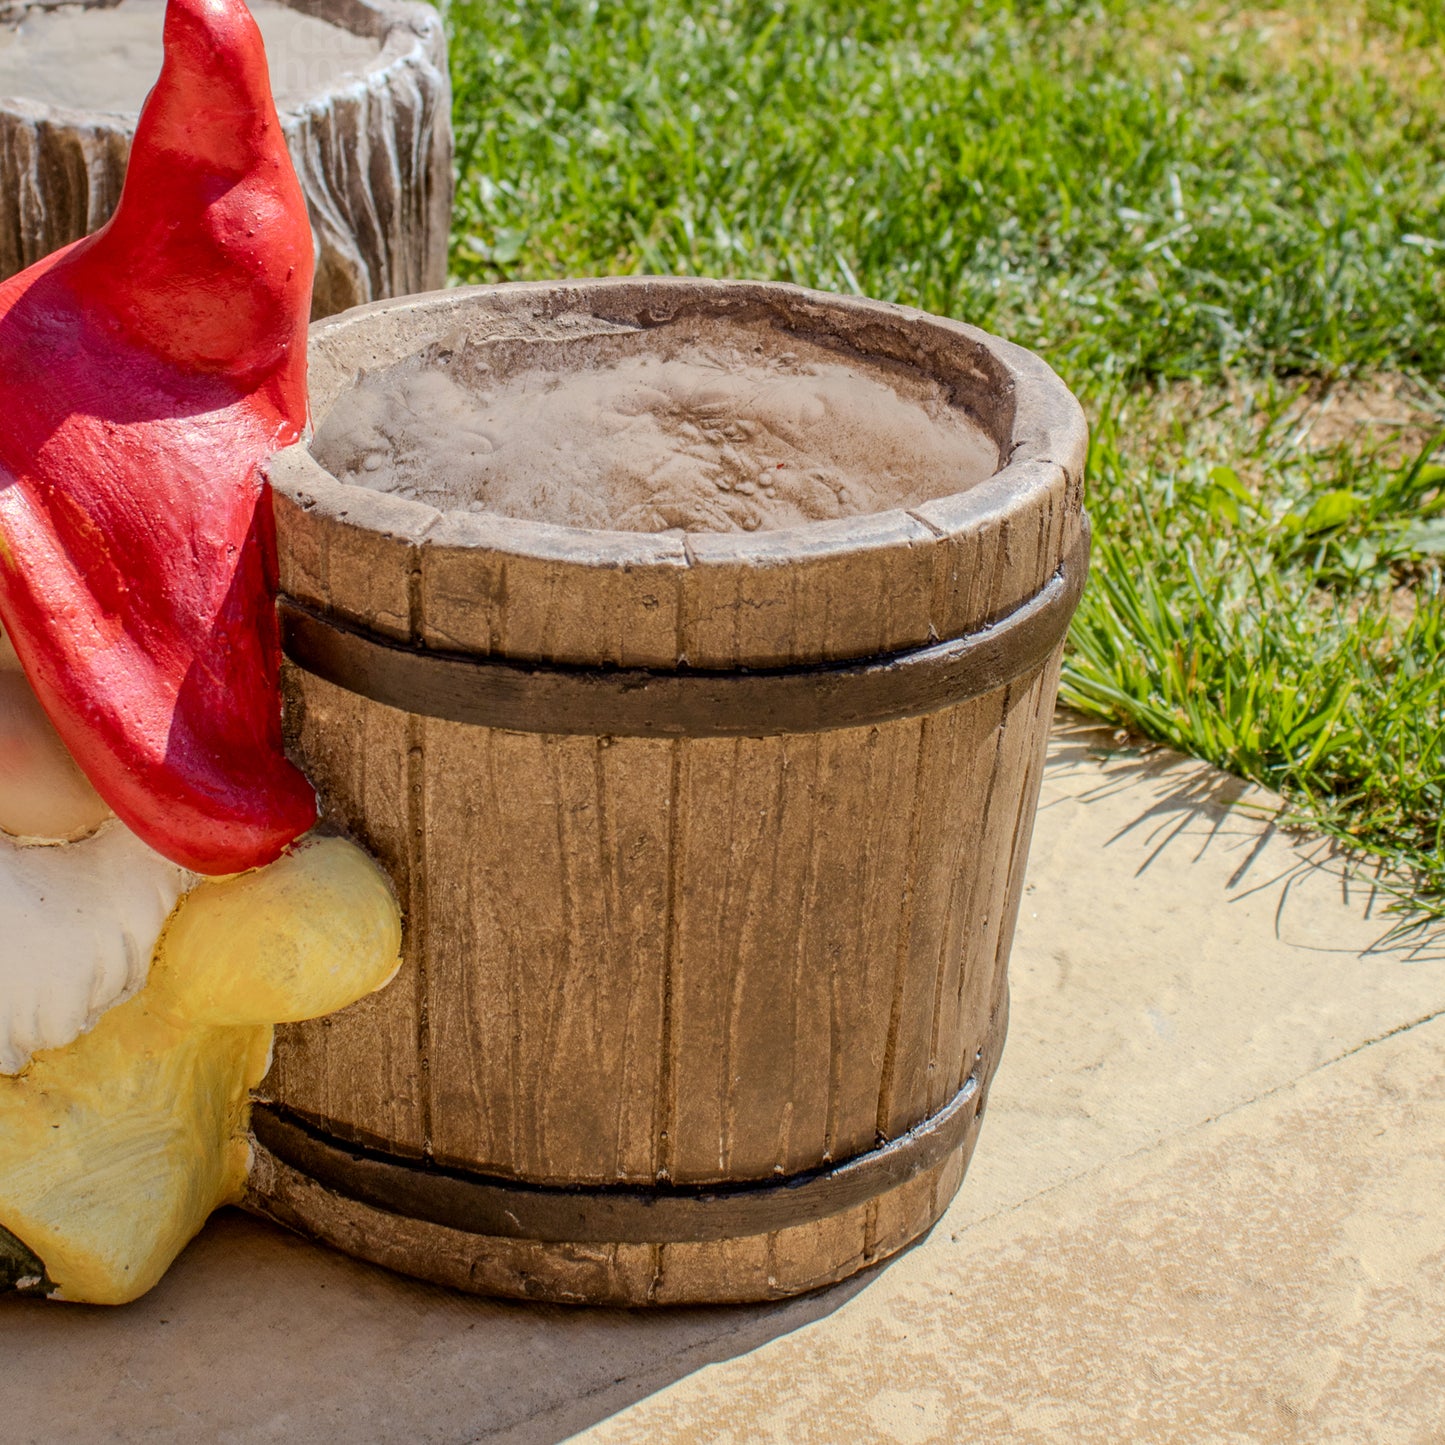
679	961
374	157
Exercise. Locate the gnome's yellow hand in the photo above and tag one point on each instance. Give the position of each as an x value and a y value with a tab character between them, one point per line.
115	1149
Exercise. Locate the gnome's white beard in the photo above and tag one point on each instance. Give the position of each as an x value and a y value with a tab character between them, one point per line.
78	924
82	899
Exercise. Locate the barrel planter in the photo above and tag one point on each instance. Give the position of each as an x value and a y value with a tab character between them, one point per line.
364	99
710	843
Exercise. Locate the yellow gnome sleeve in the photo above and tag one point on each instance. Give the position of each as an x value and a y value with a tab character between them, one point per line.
310	934
116	1148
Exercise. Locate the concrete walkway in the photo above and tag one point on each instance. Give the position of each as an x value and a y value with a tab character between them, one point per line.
1208	1205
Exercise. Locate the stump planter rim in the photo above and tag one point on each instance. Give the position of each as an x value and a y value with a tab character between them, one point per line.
402	28
372	148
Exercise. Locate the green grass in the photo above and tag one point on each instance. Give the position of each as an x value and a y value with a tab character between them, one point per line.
1168	200
1277	610
1026	165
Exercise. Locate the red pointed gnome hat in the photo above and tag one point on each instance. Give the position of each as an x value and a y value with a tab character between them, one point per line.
145	373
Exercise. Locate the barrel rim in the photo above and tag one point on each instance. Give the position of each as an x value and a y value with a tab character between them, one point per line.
518	695
1049	436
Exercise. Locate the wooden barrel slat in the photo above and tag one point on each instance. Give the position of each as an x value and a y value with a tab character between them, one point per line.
563	964
482	594
732	970
789	605
868	850
359	1067
1036	713
951	1029
965	965
671	962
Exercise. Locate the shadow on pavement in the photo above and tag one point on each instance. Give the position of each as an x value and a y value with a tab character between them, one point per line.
1186	803
257	1335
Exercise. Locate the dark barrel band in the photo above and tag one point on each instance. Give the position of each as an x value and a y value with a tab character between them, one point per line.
609	1214
540	697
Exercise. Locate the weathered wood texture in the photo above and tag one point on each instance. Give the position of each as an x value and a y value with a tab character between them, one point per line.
374	157
684	961
756	1267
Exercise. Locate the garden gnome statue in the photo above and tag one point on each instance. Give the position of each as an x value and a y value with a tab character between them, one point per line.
158	914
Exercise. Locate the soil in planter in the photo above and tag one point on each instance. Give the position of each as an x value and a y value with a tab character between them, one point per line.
701	425
106	58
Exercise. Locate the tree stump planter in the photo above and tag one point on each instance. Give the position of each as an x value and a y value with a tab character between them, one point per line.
365	102
711	844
